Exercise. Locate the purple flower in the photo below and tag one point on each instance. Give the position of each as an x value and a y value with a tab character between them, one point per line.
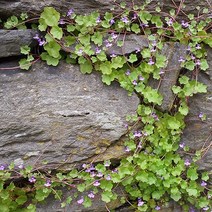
140	145
144	25
203	183
96	183
154	43
137	50
157	208
140	202
198	46
134	82
92	174
79	52
170	22
41	42
2	167
112	21
108	177
84	165
125	20
191	210
91	195
201	115
205	208
114	36
189	48
184	24
153	50
113	55
107	163
198	63
181	60
36	37
32	179
70	12
115	171
80	201
151	62
127	72
134	16
140	78
126	125
187	162
21	166
99	174
98	20
137	134
155	116
98	50
48	183
127	149
161	72
61	21
182	145
108	44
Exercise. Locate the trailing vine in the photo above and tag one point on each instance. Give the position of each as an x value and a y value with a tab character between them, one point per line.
153	173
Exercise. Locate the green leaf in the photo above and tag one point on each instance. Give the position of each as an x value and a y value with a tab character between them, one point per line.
53	49
176	89
87	202
157	21
50	16
117	62
135	28
204	64
183	109
132	58
49	59
106	196
57	32
70	28
97	38
173	123
106	185
21	199
146	53
192	192
69	40
160	61
81	187
192	174
183	80
25	49
105	67
205	176
24	64
190	65
86	67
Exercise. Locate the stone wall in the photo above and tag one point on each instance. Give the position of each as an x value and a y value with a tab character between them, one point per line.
67	118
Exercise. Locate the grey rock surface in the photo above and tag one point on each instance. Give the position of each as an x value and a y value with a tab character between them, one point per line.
198	134
173	52
12	40
59	115
33	8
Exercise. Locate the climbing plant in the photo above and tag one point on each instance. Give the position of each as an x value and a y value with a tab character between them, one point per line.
153	173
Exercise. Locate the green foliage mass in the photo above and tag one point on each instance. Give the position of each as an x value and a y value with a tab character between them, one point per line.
153	171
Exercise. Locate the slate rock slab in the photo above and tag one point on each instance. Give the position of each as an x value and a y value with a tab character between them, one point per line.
59	115
12	40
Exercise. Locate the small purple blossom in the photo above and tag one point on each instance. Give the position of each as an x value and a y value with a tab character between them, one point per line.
36	37
154	43
157	208
61	21
205	208
193	57
181	60
134	16
170	22
21	166
115	170
2	167
98	20
98	50
140	144
151	62
107	163
140	202
184	24
155	116
112	21
153	50
191	210
84	166
70	12
137	134
125	20
126	125
137	50
108	44
108	177
134	82
127	149
96	183
113	55
161	72
41	42
203	184
145	133
182	145
198	46
127	72
80	201
201	115
92	174
144	25
198	63
91	195
32	179
114	36
189	48
48	183
187	162
141	78
99	174
80	51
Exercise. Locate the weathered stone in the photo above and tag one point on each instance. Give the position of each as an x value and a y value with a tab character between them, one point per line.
12	40
33	8
198	134
173	52
52	205
59	115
